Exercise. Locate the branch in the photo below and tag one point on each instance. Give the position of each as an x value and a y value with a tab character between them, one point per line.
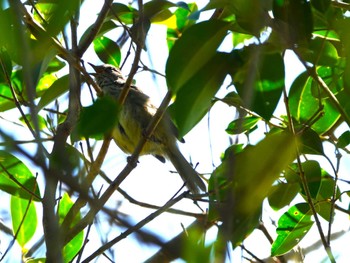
131	230
95	29
41	35
175	247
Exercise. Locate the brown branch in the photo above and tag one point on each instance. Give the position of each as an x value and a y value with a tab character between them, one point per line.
95	29
139	46
131	230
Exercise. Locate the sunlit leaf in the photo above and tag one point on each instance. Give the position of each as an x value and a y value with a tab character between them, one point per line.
292	227
16	179
304	106
56	14
242	125
72	248
107	50
42	124
24	219
59	87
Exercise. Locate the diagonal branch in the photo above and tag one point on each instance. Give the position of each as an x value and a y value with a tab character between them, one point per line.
95	29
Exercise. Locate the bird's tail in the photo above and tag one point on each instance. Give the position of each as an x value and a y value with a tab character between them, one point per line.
193	182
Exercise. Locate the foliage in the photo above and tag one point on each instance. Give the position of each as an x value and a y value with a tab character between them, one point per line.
242	44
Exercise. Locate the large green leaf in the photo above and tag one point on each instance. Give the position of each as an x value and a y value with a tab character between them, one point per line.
195	97
283	194
312	173
57	88
192	51
238	174
72	247
267	82
303	105
107	50
24	219
56	14
16	179
97	119
293	225
297	17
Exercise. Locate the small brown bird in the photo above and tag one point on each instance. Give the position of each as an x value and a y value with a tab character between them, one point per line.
134	117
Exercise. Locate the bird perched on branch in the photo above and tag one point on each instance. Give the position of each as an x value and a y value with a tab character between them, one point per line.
134	117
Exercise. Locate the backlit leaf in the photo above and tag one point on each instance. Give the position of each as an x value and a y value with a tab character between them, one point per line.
16	179
107	50
24	219
292	227
192	51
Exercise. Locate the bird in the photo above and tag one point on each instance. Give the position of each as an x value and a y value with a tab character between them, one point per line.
134	117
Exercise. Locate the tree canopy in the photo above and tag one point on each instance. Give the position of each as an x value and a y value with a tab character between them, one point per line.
288	139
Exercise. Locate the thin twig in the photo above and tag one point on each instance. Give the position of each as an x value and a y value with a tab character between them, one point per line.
95	28
131	230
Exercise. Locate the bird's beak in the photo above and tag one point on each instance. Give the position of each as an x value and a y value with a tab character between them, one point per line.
97	69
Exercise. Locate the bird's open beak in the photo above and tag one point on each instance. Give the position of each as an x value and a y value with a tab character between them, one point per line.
97	69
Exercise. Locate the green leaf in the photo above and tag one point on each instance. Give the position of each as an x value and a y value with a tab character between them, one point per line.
157	10
238	174
182	22
73	247
292	227
311	143
268	81
105	27
196	47
283	194
16	179
99	118
344	139
233	99
45	82
298	18
242	125
303	105
24	219
125	13
312	172
249	15
57	88
42	124
6	98
194	98
56	14
320	52
107	50
5	60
